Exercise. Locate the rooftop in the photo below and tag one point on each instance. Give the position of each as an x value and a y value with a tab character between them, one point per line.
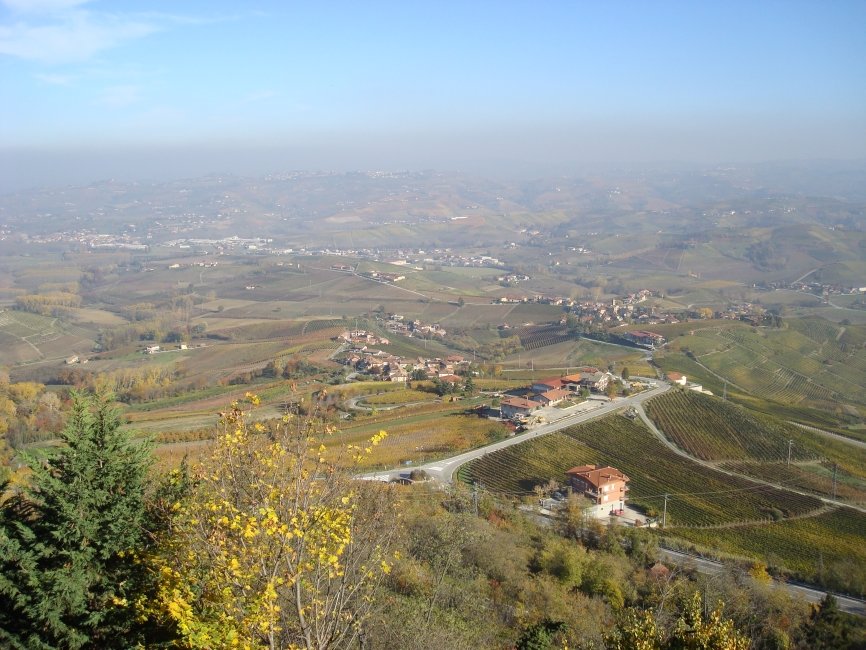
597	477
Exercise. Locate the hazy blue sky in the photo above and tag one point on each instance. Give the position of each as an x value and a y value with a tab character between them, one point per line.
155	87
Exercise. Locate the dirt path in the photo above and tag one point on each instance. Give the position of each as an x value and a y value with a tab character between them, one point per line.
817	512
828	434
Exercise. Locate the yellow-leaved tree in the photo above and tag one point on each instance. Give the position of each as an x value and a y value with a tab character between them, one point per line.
276	546
693	630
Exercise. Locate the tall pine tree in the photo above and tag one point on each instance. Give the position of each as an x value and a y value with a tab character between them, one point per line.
67	571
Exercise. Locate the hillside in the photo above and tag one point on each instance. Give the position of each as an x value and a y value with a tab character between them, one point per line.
701	501
799	370
758	445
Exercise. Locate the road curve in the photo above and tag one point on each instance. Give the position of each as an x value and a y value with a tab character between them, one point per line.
443	470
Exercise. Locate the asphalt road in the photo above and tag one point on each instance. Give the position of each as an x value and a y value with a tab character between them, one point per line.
708	567
443	470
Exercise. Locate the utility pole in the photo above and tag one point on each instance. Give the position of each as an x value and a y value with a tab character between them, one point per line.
665	512
790	444
725	393
834	479
475	497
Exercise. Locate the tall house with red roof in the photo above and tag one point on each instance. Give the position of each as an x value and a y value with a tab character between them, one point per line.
605	487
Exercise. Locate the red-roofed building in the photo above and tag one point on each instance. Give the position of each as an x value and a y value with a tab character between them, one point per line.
545	385
642	337
572	382
605	487
677	378
552	397
511	406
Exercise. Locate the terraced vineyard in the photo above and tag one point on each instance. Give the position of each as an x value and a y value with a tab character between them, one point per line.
756	445
817	329
698	495
710	428
811	477
532	338
810	361
828	549
318	325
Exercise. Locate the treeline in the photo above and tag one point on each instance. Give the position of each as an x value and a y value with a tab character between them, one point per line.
286	368
168	321
139	311
139	384
28	412
500	349
765	256
165	328
54	303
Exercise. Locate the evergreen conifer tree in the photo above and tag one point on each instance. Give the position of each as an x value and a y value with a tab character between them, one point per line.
68	573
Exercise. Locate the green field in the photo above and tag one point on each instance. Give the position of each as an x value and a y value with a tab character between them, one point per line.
815	477
398	397
582	352
812	360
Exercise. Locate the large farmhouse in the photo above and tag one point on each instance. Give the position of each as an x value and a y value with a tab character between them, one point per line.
546	385
595	381
605	487
511	406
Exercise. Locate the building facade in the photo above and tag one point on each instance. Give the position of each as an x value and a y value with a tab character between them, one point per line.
605	487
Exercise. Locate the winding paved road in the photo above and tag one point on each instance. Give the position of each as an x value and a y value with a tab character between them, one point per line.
443	470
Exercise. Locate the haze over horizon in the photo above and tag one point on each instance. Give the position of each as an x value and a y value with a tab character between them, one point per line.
151	90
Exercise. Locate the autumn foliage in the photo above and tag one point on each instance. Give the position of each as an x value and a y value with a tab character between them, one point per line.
276	547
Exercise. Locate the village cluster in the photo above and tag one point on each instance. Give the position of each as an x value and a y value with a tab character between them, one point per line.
553	391
389	367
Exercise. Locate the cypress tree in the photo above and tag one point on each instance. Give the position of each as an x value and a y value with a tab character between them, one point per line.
68	541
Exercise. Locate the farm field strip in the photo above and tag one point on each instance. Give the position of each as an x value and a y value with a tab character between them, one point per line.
811	477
